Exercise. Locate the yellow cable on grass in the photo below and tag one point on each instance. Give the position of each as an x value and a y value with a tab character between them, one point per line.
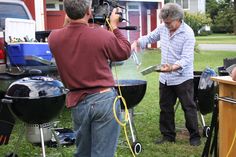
124	102
126	119
126	113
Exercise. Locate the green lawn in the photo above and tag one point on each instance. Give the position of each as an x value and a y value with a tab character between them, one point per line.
217	39
146	115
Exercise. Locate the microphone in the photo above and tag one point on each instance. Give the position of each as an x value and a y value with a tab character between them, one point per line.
128	27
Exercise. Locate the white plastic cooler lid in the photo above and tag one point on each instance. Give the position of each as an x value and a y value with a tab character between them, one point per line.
19	28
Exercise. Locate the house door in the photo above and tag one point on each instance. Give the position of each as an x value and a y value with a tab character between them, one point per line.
134	20
55	19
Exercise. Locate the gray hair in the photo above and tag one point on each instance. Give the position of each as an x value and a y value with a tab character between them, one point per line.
173	11
76	9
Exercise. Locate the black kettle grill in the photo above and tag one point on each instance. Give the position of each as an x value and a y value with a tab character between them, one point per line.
35	100
133	92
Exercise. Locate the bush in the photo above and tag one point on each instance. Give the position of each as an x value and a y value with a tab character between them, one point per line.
197	21
223	15
224	22
221	29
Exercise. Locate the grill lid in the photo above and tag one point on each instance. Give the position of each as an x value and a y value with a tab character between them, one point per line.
35	87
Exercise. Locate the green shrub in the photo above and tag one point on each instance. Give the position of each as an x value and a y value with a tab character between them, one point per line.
224	22
217	28
196	21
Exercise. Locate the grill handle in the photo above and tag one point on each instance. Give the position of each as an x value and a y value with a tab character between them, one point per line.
227	99
7	101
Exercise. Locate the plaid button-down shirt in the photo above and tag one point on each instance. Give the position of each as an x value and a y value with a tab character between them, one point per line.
175	49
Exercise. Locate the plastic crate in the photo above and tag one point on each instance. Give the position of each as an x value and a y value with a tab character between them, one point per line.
18	53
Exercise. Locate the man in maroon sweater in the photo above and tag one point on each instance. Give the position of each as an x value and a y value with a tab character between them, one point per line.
82	55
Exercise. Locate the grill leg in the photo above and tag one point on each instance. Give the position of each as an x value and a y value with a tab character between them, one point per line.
42	141
131	125
202	119
136	146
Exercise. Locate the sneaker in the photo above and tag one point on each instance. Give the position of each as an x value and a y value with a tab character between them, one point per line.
195	142
164	140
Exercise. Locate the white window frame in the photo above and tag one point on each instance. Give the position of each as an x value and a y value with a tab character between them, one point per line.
133	4
183	3
56	6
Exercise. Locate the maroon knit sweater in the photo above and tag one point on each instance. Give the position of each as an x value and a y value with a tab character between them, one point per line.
82	53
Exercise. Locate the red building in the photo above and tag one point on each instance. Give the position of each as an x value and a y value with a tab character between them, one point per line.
144	14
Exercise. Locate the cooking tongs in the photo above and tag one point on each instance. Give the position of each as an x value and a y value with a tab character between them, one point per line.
150	69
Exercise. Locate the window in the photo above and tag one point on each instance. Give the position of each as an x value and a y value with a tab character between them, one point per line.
61	6
183	3
133	7
12	11
54	6
50	6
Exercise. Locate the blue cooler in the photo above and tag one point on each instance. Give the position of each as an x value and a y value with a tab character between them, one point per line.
20	54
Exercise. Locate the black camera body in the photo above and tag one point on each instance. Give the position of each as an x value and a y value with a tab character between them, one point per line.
102	10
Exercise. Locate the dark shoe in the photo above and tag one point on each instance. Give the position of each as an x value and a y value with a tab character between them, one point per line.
195	142
164	140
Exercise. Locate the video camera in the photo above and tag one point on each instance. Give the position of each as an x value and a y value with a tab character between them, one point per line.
102	10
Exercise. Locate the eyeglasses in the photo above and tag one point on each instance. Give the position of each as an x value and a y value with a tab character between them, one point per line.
169	22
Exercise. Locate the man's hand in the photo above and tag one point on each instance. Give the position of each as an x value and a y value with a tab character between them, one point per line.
169	67
233	74
114	18
135	46
166	68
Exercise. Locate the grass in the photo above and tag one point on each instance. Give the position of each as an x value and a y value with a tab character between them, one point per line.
146	115
217	39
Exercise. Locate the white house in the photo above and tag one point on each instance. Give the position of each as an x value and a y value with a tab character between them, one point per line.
192	5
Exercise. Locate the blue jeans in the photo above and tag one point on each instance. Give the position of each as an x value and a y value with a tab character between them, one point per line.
96	129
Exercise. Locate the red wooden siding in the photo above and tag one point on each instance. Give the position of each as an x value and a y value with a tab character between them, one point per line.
144	20
30	5
55	19
153	23
134	21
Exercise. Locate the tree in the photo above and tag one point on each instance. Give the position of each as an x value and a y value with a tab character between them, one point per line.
212	8
197	21
223	15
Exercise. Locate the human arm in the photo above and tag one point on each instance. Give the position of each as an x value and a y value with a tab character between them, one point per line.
169	67
118	47
233	74
115	18
232	71
142	42
182	51
135	46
